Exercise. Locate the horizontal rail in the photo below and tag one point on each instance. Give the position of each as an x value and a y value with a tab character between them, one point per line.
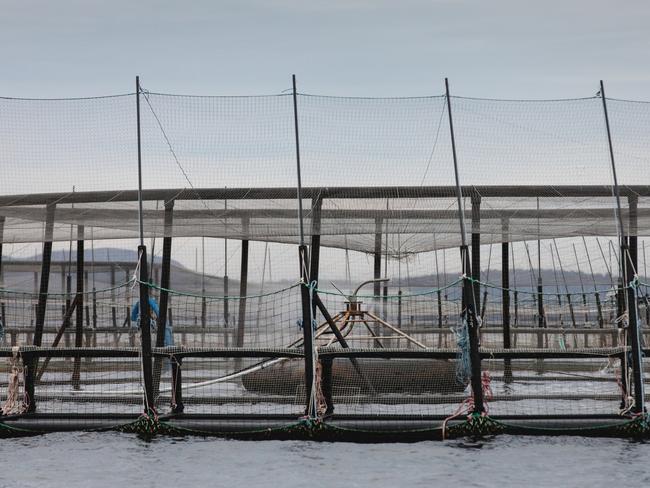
289	193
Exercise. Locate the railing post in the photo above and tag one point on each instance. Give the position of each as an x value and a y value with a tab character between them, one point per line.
145	331
476	249
473	333
303	258
79	329
505	295
314	251
243	286
469	302
32	365
165	278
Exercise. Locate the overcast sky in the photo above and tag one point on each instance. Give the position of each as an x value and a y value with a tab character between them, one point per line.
502	48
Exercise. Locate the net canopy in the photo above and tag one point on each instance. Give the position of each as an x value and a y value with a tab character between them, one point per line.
557	327
538	169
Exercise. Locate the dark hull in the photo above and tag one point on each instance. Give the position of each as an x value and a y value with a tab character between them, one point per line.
385	376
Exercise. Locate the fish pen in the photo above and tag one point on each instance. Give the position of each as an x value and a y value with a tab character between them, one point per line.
318	267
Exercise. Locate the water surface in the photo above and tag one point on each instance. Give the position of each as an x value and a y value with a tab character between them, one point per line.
104	459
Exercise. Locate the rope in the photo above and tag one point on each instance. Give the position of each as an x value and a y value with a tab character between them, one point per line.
463	361
467	406
220	298
12	406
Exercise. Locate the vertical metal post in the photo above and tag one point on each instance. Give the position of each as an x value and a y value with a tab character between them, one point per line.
627	272
468	290
314	250
377	258
633	206
243	290
145	331
304	277
226	300
79	329
165	279
113	307
505	295
2	276
476	247
30	375
376	290
140	211
145	328
204	303
541	315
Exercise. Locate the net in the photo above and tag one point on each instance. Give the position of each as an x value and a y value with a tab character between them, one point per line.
381	328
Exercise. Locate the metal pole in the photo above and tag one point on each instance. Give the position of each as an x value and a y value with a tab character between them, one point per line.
78	339
505	297
468	290
243	291
541	316
476	249
299	185
145	332
304	277
30	374
314	251
140	212
161	321
226	300
627	270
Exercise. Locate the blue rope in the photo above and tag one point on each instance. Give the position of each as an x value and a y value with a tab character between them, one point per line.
463	362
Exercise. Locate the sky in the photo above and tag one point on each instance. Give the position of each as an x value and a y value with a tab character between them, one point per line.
500	48
508	49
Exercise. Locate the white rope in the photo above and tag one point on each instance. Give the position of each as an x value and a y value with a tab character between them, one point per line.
13	405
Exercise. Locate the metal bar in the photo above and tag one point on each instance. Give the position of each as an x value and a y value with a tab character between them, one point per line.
59	334
165	279
243	290
79	329
627	270
633	246
468	291
304	276
505	296
145	332
476	249
314	250
140	212
32	365
343	192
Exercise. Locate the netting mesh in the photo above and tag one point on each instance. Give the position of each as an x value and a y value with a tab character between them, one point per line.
553	304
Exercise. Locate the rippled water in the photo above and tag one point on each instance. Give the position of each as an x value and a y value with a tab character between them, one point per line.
102	460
